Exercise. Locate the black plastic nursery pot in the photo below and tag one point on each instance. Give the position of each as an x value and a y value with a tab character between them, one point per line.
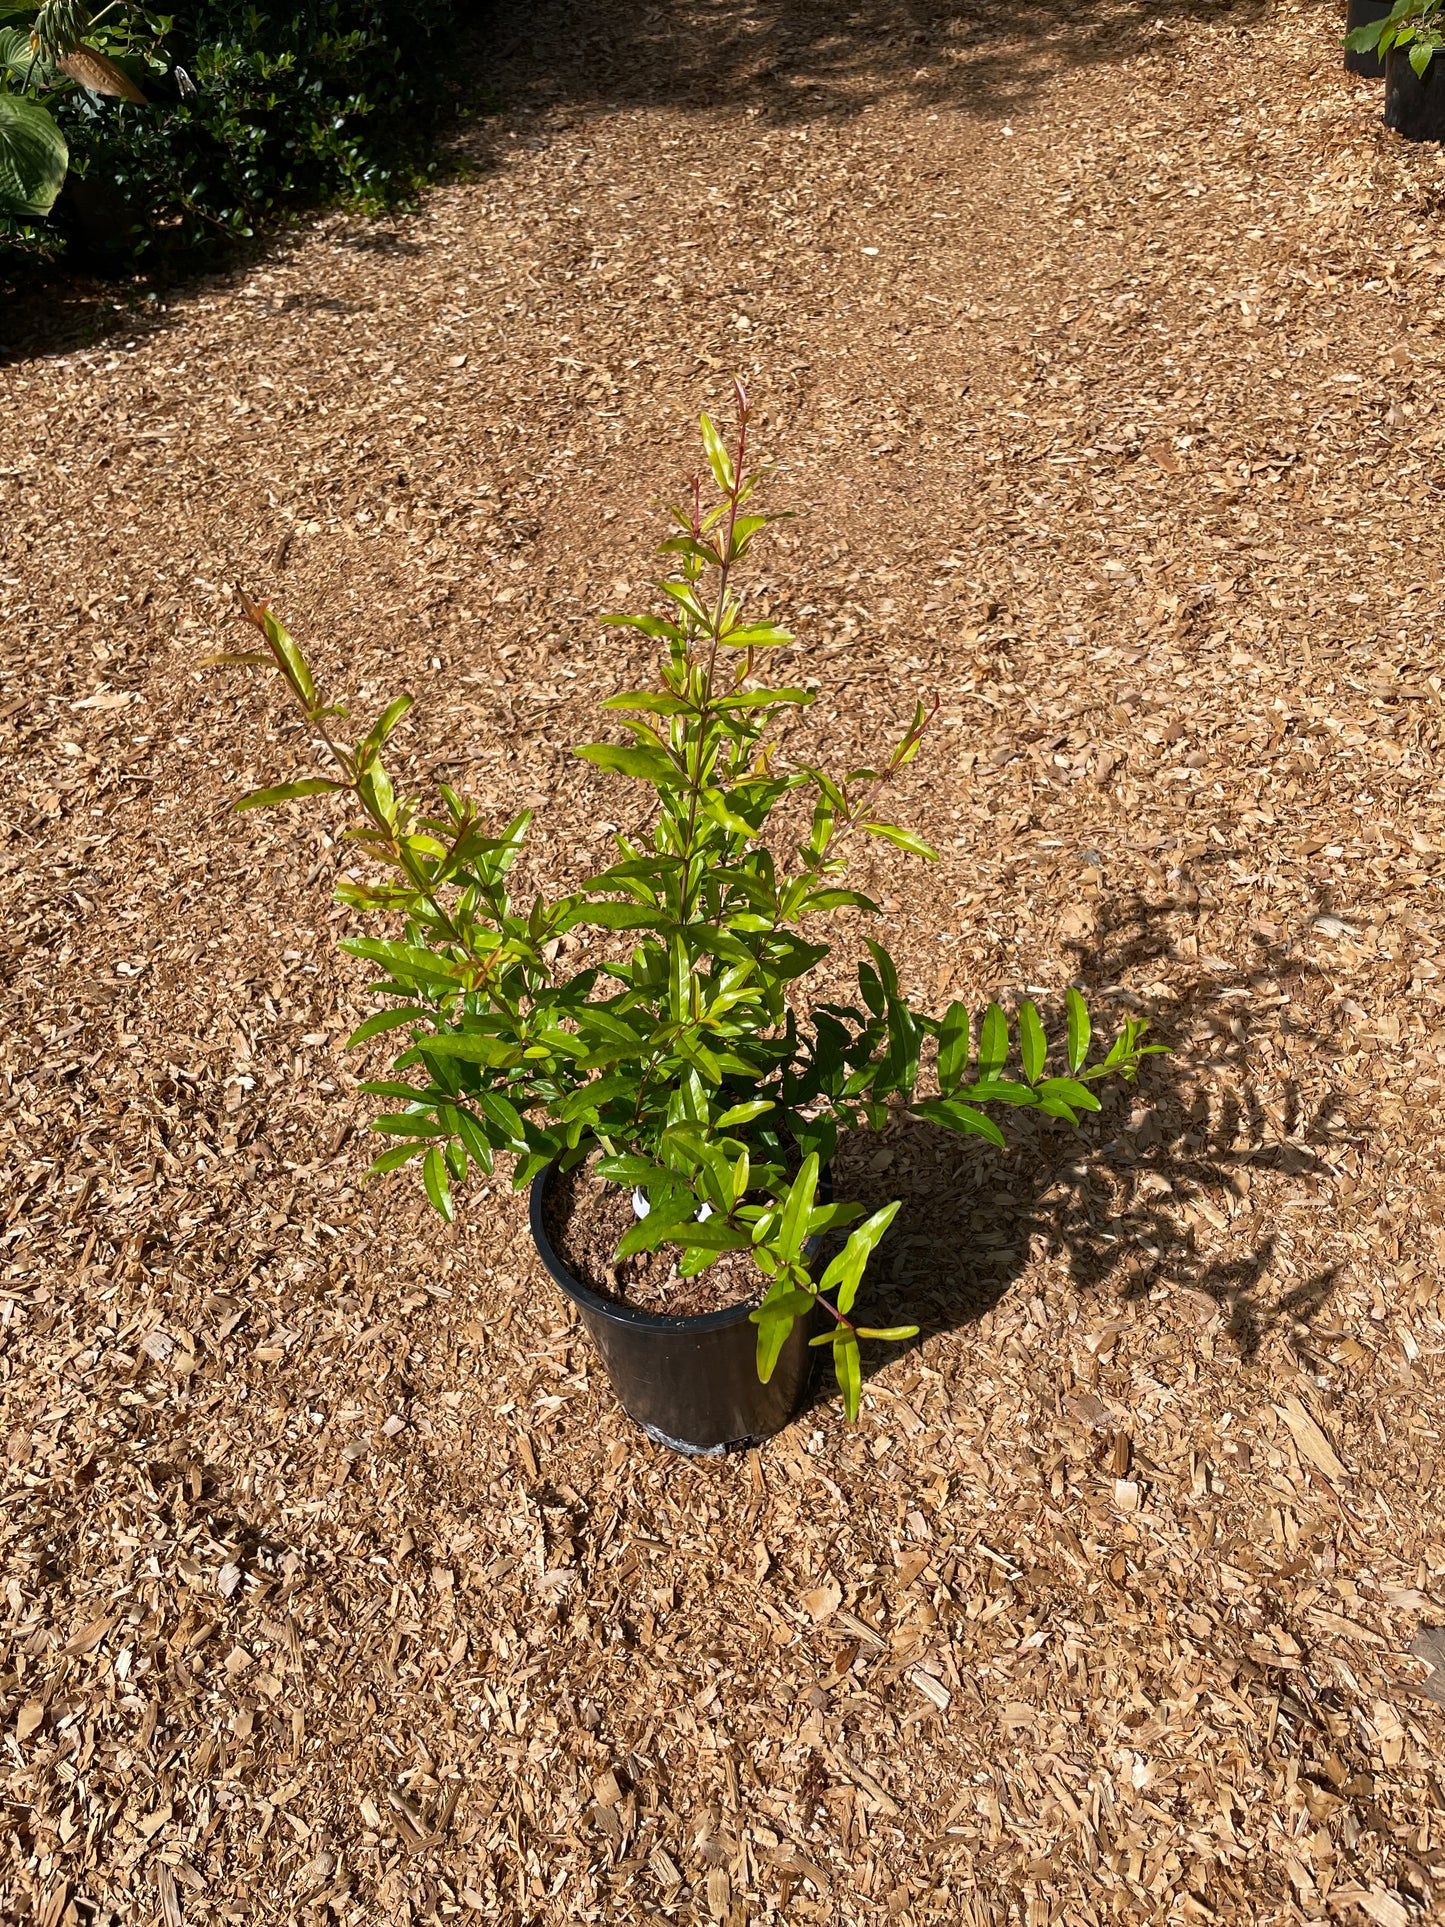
690	1383
1415	107
1364	13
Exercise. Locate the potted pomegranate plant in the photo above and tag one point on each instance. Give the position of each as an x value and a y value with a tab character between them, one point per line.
1407	39
666	1092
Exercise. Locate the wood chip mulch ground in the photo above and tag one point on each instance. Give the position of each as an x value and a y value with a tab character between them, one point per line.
1101	362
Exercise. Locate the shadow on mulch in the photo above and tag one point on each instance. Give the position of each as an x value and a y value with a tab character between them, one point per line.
971	1215
800	60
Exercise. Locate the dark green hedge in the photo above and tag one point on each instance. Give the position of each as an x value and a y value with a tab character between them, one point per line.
292	105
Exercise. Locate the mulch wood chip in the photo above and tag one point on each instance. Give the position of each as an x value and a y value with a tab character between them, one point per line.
1099	365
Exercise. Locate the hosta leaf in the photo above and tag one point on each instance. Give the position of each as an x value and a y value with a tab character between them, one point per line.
33	156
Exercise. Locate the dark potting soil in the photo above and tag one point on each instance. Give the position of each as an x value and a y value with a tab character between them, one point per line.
585	1219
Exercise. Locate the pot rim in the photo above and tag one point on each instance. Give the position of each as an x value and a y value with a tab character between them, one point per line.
620	1314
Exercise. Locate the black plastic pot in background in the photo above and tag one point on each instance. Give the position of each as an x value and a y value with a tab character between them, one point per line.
1415	107
690	1383
1364	13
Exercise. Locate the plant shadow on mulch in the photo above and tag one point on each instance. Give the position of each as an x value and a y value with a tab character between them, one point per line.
800	60
1107	1198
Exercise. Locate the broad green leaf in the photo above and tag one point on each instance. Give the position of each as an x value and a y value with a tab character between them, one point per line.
282	792
1033	1047
1080	1029
1420	56
33	156
744	1113
954	1044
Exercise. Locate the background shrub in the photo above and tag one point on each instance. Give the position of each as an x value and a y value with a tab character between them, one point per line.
266	106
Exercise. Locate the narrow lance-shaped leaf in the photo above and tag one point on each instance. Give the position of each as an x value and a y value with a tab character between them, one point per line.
992	1043
434	1176
1080	1029
954	1044
1033	1048
850	1376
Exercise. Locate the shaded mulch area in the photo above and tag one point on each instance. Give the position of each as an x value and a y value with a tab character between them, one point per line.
1101	363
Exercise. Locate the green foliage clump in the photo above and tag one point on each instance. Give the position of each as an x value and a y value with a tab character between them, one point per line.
1418	25
253	109
679	1045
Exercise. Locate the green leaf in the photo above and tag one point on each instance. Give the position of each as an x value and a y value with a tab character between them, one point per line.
774	1324
645	699
382	728
849	1370
504	1115
1076	1094
955	1116
384	1020
464	1047
905	839
289	659
434	1177
846	1270
33	156
894	1334
765	698
399	1154
1081	1029
718	458
998	1090
649	765
744	1113
405	960
757	635
953	1047
1033	1047
409	1126
799	1203
992	1043
18	58
1420	56
649	625
283	792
